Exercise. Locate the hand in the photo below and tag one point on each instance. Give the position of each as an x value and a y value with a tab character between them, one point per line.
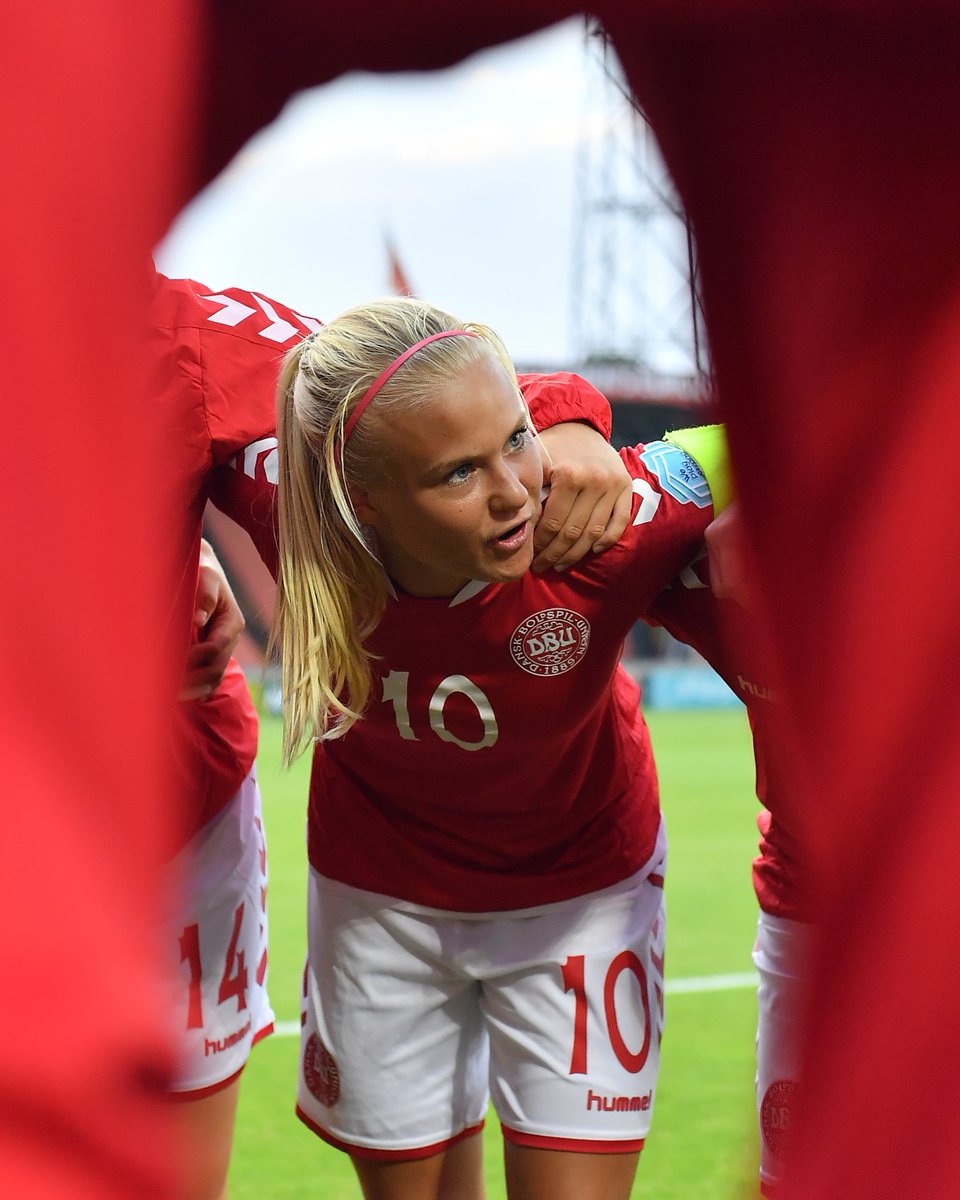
590	496
729	570
218	622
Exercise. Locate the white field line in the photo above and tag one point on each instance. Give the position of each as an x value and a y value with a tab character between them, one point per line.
690	986
712	983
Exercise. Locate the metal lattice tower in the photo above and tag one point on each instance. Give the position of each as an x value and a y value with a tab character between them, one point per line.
634	283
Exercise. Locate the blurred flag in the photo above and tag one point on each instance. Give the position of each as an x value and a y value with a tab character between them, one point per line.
399	283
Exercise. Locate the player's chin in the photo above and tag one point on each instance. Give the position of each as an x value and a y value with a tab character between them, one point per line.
506	569
511	576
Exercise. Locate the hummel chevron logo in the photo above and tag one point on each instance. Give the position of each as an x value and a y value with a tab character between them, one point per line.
649	502
264	453
233	312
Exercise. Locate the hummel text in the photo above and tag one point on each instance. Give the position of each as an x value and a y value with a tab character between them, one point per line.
758	691
619	1103
215	1047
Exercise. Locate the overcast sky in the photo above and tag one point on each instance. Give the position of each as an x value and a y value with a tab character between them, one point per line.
471	172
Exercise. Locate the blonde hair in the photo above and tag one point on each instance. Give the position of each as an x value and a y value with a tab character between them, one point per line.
331	588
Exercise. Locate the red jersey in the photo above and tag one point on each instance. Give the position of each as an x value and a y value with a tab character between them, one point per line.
720	631
504	762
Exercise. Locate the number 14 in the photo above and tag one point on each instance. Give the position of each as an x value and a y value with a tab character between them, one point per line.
233	981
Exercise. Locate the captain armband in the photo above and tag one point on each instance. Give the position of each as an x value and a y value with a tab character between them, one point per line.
707	446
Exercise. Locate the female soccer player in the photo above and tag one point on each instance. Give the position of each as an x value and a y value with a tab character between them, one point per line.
486	894
216	383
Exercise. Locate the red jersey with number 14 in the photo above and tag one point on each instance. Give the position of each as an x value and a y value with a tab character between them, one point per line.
503	762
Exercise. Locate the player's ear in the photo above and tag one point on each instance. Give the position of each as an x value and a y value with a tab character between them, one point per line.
363	504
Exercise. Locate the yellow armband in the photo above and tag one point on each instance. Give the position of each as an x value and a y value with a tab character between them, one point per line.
707	446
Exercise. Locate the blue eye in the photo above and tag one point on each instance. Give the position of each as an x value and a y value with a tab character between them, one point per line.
459	474
518	439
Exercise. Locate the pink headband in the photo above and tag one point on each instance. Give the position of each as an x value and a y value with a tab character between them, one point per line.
381	379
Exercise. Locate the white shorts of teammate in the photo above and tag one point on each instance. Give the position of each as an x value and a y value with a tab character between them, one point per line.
412	1015
219	1003
781	955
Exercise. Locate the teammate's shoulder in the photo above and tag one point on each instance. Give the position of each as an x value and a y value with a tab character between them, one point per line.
559	396
559	381
178	303
188	304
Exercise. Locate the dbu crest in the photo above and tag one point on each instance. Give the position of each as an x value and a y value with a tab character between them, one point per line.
776	1112
550	642
320	1072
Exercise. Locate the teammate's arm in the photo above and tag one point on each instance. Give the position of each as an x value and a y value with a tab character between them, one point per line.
590	493
218	623
589	502
732	574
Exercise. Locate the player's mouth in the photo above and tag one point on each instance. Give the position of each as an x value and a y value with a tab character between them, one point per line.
512	539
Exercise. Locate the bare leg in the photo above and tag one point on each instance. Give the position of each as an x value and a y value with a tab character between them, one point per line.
562	1175
205	1132
456	1174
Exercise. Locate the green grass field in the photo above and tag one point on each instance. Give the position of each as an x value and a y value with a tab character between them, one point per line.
702	1143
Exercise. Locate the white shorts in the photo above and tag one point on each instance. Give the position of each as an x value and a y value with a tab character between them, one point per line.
411	1016
781	955
219	989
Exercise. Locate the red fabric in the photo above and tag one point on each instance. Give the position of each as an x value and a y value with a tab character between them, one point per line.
388	1155
562	396
261	53
92	124
819	158
213	359
573	1145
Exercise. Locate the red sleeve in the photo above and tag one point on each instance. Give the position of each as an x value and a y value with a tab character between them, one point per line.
218	353
214	355
226	345
562	396
215	749
672	506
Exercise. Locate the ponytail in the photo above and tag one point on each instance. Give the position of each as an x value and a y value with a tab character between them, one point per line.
331	590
